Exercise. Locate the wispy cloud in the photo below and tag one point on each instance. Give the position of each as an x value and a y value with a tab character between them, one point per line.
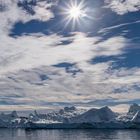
104	30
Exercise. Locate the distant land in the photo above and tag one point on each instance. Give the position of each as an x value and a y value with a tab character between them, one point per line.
74	118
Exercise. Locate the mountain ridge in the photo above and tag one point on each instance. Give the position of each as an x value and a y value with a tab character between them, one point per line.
72	117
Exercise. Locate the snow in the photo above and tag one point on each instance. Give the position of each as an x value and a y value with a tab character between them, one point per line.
96	115
44	121
71	117
136	117
134	109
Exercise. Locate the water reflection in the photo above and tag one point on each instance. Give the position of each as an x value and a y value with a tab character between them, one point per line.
20	134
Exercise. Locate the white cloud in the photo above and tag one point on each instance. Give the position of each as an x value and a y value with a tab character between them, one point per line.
42	11
27	52
24	59
123	6
12	13
27	88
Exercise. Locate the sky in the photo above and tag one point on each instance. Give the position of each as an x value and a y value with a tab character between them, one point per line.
56	53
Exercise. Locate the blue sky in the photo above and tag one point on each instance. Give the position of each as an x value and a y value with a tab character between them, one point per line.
48	62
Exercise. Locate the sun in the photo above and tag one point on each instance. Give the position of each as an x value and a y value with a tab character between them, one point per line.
74	12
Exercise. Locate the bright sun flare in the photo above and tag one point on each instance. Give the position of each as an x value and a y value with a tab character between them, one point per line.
75	12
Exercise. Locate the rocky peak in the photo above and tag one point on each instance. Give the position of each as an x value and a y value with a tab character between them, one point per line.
134	108
69	109
14	114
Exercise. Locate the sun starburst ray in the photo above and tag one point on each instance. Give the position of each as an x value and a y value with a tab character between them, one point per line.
74	13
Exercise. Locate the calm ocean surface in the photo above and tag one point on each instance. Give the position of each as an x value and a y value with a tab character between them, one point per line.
19	134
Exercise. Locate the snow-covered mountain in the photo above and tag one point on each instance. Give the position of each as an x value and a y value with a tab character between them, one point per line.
8	119
72	117
134	109
104	114
61	116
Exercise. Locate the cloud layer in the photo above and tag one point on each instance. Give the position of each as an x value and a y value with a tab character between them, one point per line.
31	65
